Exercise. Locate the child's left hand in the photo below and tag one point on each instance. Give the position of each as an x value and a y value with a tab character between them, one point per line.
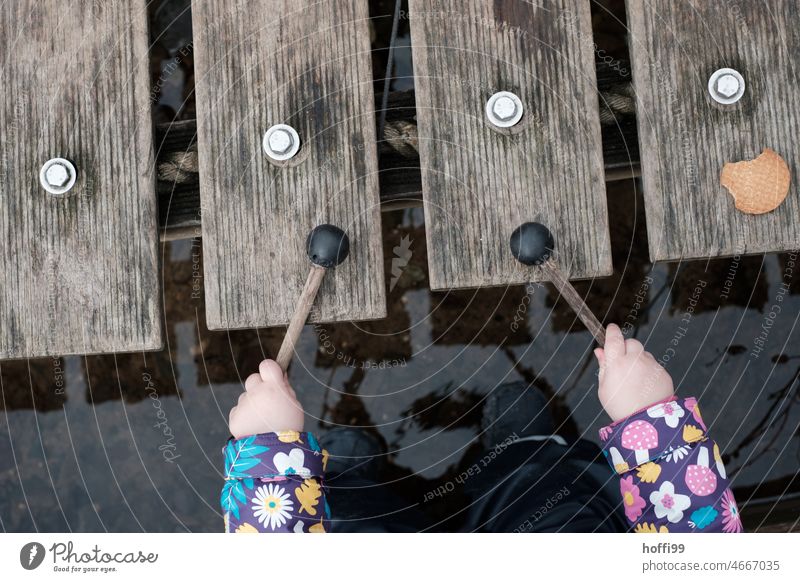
630	378
268	404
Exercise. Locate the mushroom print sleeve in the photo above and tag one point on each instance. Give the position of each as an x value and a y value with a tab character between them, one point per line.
671	475
274	483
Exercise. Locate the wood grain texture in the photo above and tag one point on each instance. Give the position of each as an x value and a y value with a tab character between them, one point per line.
305	63
686	137
480	183
79	273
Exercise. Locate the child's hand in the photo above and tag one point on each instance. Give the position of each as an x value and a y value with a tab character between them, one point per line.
630	378
268	404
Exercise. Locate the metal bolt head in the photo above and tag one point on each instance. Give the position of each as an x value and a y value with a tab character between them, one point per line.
504	109
726	86
58	176
281	142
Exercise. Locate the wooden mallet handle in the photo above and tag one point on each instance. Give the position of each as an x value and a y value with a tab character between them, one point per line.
532	244
304	304
575	301
327	246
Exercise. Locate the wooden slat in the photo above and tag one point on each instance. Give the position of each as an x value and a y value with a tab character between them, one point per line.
686	137
78	274
478	183
305	63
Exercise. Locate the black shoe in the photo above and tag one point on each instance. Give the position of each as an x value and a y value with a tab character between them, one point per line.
514	409
354	452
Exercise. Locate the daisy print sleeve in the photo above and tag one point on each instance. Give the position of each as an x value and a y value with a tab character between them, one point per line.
671	474
274	483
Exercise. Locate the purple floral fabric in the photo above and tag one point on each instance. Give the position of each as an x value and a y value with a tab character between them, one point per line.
672	478
274	483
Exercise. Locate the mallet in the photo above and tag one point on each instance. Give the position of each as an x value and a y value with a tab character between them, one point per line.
327	247
532	244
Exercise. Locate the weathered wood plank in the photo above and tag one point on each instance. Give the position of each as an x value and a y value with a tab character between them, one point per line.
79	273
306	65
479	183
686	137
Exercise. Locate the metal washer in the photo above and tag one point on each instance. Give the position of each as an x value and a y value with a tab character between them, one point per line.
721	99
68	186
497	122
291	152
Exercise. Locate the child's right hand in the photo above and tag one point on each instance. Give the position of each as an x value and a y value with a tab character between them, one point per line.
630	378
268	404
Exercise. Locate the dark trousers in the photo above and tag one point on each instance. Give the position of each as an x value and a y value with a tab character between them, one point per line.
527	486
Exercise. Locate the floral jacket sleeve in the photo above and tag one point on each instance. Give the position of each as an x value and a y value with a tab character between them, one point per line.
274	483
672	478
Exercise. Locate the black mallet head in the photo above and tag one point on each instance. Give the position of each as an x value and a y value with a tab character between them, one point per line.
532	243
327	246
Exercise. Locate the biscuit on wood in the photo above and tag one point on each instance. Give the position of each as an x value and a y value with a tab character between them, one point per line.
757	186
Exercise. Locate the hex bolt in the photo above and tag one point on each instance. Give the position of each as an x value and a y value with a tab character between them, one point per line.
281	142
726	86
58	176
504	109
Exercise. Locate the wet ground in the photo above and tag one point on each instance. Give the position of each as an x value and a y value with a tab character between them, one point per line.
131	442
